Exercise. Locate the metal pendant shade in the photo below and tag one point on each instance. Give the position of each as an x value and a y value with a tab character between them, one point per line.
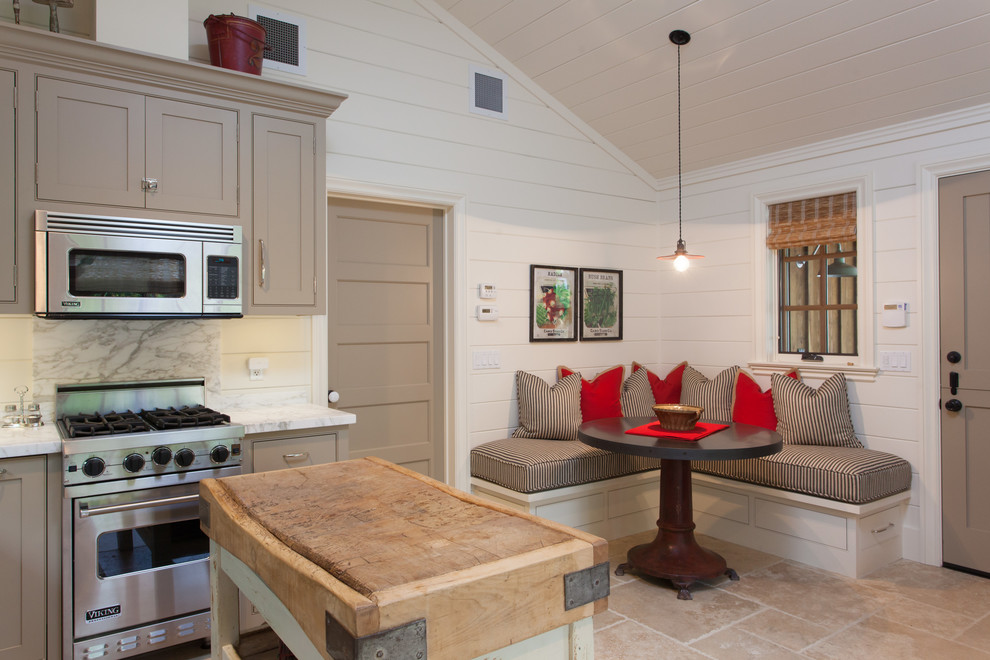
680	257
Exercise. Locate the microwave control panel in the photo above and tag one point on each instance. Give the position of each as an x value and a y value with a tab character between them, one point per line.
222	275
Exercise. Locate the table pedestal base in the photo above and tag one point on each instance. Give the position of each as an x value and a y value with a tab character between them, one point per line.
675	554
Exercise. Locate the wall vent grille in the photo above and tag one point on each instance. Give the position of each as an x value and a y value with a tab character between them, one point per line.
285	40
487	93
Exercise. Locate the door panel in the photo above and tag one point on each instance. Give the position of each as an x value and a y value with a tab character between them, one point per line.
385	308
284	220
964	301
206	183
90	144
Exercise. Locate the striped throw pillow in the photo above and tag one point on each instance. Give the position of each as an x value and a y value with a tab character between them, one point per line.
551	413
806	416
714	395
637	395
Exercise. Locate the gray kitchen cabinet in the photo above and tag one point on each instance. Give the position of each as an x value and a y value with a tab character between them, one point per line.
294	449
8	229
289	225
95	121
98	145
22	558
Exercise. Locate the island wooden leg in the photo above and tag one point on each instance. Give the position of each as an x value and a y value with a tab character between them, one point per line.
675	554
224	617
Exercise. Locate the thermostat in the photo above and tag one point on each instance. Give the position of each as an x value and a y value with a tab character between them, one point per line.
486	290
487	312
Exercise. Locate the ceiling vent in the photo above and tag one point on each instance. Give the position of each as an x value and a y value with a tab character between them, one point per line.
487	92
285	39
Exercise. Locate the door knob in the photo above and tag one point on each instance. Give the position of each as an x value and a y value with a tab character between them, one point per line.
953	405
953	356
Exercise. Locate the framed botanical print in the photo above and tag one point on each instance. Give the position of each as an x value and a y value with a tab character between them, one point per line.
601	304
553	299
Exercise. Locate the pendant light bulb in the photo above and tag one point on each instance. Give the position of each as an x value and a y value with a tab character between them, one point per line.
680	257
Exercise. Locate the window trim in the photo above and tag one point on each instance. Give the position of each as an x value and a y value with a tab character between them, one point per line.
766	358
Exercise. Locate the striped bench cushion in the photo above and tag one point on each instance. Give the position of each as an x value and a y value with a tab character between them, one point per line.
530	465
845	474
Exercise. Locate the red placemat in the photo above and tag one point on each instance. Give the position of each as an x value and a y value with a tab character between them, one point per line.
701	430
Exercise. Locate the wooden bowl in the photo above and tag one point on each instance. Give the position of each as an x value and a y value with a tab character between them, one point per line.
677	417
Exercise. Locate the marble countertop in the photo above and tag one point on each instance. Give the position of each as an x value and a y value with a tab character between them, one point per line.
288	417
30	441
256	419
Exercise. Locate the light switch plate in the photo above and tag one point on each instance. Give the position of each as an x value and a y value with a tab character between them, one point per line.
895	361
487	359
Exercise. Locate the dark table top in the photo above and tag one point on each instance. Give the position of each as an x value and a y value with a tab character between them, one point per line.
737	441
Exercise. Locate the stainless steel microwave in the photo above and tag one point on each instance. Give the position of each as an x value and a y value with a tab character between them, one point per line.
90	266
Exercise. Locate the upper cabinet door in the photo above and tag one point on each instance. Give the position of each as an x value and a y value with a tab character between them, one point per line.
7	174
192	157
115	148
288	244
90	144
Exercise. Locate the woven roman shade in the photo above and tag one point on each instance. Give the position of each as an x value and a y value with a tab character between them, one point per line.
821	220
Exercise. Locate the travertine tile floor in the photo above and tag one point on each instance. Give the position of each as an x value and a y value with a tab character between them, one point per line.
782	609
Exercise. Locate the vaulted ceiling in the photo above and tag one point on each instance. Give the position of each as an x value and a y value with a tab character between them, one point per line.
758	76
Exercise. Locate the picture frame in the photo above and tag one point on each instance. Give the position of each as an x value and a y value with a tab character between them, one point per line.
601	304
553	303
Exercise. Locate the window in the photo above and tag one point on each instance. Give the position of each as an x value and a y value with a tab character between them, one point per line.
814	241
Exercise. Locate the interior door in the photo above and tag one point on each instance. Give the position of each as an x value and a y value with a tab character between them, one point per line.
385	314
964	300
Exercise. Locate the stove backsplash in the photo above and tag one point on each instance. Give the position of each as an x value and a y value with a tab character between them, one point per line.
107	350
41	353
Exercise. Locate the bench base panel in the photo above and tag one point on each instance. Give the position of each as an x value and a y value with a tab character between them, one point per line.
851	539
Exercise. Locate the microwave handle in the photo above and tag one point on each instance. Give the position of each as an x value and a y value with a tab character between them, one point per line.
264	263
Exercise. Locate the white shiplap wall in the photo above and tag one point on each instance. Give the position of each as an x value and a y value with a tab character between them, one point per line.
538	188
707	315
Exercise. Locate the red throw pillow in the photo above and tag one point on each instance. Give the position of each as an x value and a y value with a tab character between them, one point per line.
751	405
600	396
667	390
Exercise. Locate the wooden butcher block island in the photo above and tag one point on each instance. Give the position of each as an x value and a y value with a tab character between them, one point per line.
365	559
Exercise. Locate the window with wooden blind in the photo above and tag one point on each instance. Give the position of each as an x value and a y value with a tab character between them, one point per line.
815	243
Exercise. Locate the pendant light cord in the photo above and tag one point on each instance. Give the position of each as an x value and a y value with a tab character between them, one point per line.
679	203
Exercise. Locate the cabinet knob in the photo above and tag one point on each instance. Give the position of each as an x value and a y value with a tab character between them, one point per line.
149	185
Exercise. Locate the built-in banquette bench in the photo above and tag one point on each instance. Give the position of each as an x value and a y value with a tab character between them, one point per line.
833	504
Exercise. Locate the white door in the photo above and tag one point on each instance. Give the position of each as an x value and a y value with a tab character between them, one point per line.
385	311
964	302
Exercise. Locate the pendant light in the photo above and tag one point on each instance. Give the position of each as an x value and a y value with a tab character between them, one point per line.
680	256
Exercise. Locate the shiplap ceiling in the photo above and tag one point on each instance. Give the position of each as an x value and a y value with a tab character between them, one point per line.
758	75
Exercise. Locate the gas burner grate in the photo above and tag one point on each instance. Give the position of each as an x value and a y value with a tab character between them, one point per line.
86	425
187	416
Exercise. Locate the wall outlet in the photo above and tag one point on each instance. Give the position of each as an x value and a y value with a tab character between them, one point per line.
256	368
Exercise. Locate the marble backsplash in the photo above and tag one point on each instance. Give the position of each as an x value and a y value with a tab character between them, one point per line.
109	350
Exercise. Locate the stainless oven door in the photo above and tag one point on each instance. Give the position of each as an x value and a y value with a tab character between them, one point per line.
139	556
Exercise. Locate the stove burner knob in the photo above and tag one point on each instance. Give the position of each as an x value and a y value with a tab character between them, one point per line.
185	457
133	462
93	467
161	456
219	454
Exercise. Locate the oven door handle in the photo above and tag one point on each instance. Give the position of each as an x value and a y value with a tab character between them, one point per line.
85	511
